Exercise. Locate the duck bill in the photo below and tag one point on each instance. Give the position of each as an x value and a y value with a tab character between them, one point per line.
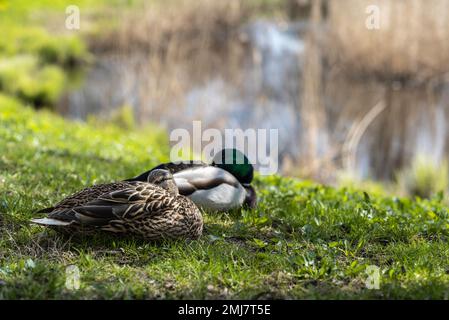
250	201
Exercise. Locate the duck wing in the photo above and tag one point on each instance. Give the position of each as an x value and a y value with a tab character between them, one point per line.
111	210
177	167
84	196
171	167
205	178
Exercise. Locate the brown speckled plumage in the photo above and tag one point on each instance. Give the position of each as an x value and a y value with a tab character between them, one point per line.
128	207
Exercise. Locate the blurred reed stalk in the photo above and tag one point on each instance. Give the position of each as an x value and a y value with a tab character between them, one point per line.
312	111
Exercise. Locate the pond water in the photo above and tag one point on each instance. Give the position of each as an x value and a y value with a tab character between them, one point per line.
267	95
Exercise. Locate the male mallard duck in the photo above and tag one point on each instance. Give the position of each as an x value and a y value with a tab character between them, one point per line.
152	209
223	185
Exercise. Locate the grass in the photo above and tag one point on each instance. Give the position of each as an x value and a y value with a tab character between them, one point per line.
424	177
302	241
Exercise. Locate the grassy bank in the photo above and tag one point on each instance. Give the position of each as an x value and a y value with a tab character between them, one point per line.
40	58
302	241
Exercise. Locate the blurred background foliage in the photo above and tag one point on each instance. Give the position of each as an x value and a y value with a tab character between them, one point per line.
354	106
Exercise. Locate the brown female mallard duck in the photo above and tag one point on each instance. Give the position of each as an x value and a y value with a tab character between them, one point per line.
152	209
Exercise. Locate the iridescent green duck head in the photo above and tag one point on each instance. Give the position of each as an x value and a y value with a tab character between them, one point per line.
236	163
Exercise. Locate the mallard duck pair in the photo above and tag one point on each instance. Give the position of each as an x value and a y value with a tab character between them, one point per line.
160	203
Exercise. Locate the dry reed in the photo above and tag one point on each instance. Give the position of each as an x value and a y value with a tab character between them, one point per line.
411	41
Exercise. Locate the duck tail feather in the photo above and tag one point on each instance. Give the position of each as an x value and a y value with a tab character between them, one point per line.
50	222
